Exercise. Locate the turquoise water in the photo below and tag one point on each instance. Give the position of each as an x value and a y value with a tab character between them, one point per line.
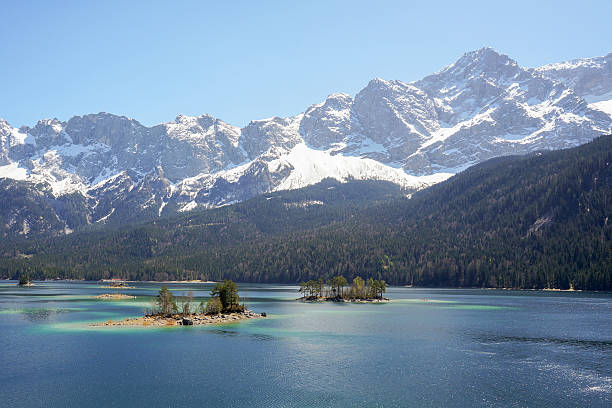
428	348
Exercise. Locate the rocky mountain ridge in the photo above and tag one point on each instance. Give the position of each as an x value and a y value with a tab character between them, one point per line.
114	169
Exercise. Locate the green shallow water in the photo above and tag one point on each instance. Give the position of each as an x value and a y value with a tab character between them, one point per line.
427	348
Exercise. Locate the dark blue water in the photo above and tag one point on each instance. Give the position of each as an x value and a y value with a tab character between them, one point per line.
428	348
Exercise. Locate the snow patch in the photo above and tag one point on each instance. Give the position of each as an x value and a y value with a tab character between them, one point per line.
107	215
311	166
13	171
161	208
188	207
74	150
103	178
19	138
304	204
604	106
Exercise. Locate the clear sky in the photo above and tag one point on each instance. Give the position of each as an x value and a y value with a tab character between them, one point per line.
244	60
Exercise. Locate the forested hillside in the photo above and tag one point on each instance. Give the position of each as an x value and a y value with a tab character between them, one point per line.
536	221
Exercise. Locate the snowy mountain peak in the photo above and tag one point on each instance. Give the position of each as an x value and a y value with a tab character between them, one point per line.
485	62
204	120
482	70
377	82
339	96
329	123
281	134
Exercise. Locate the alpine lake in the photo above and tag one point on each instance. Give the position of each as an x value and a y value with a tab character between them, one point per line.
426	348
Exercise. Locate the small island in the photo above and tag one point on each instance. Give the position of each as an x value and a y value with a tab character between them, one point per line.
114	296
360	291
25	280
223	307
116	284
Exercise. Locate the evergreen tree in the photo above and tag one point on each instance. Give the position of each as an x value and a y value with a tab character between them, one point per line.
227	292
165	302
213	306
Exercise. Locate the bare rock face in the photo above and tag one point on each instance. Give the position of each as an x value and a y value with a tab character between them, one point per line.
277	133
330	123
195	145
396	115
15	144
48	133
103	168
5	142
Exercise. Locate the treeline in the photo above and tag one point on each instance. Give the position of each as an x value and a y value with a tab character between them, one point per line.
536	221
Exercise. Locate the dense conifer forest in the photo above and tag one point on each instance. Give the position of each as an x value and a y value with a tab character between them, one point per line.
535	221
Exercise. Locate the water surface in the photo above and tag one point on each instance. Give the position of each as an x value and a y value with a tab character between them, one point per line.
428	348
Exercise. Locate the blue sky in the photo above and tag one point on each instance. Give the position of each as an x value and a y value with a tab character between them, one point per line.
244	60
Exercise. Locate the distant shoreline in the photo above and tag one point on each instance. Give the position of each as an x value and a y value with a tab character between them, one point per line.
491	288
336	300
542	290
172	281
296	284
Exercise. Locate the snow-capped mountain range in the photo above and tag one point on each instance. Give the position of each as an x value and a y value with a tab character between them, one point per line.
414	134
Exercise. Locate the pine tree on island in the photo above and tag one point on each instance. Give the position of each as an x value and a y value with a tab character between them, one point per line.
166	305
227	293
335	290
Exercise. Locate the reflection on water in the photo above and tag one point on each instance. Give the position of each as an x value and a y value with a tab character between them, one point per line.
604	345
427	348
39	315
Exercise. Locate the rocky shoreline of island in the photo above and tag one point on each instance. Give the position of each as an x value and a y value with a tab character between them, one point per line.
114	296
222	307
182	320
315	299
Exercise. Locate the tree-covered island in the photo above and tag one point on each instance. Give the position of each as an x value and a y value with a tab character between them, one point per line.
168	310
25	280
337	289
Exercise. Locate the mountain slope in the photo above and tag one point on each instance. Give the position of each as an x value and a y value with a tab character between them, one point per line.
535	221
590	78
413	134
